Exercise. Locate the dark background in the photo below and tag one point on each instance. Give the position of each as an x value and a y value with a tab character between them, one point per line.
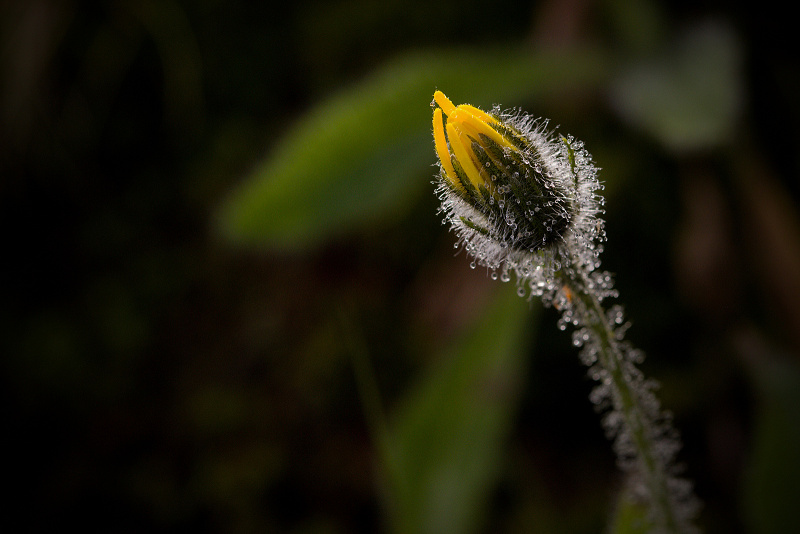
157	377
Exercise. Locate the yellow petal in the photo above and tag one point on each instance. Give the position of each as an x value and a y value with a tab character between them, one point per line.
476	125
462	149
478	113
443	102
441	147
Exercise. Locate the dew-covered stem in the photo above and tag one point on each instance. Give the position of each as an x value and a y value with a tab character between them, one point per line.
525	202
645	441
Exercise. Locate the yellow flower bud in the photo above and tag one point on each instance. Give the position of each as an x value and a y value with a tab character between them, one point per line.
516	196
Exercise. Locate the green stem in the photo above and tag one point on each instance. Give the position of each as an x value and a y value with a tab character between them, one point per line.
374	414
627	390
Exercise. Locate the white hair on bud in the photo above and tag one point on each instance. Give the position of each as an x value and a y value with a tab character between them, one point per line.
572	176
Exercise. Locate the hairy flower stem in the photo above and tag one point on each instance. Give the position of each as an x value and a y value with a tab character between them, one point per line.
636	422
523	201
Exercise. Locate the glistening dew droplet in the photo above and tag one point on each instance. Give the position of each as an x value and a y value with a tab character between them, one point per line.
517	196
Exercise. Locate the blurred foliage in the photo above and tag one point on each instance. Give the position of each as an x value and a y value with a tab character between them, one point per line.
446	444
630	517
215	210
774	471
350	161
697	84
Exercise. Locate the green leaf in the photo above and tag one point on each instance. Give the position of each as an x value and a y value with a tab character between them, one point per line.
447	439
364	155
690	98
630	516
773	482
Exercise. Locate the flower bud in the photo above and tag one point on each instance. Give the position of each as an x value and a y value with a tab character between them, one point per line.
516	197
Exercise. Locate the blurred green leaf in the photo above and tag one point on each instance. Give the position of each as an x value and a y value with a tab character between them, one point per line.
364	154
447	438
638	26
773	485
630	516
690	98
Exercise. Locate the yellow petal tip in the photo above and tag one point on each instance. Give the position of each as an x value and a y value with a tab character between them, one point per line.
443	102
